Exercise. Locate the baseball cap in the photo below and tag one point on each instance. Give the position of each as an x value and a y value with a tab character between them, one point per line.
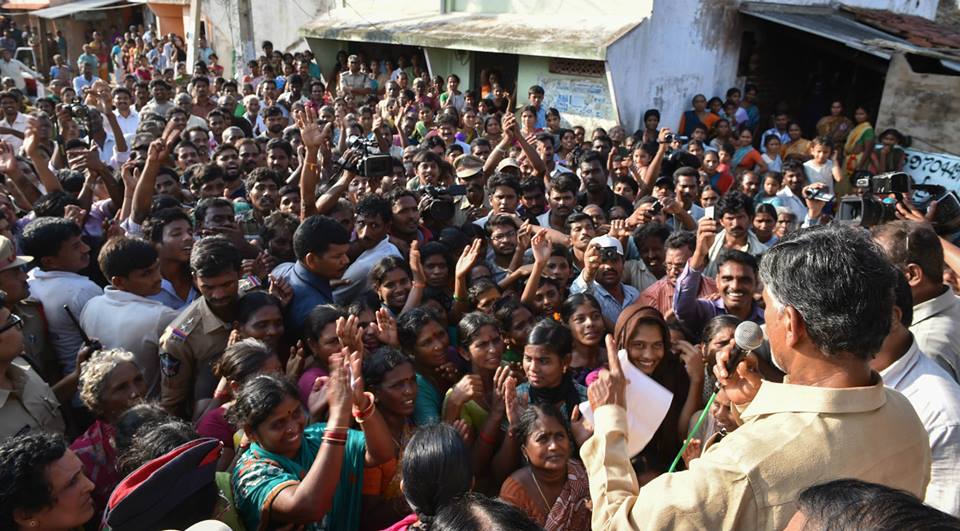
607	241
8	255
665	181
468	166
508	162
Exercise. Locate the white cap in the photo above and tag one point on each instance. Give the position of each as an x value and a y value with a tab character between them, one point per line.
607	241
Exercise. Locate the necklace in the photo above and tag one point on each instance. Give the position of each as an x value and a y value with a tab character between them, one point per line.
537	484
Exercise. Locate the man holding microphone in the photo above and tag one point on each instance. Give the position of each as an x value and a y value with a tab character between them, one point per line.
829	294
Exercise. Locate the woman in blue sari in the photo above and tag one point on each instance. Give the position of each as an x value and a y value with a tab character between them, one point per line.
284	477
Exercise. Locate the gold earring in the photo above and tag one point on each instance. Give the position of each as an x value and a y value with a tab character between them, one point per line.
34	523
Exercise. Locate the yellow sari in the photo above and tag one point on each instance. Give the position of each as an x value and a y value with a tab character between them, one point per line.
860	135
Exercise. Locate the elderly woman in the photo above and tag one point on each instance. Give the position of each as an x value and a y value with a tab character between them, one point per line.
42	485
285	477
110	384
552	489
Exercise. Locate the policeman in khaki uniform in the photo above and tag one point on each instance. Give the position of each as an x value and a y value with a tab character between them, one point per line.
198	336
37	349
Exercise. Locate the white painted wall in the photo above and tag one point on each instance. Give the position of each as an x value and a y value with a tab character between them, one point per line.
274	20
686	47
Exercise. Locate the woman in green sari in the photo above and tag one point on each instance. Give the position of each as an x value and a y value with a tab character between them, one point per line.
859	144
284	477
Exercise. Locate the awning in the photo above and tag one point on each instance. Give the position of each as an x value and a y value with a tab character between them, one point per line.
64	10
25	5
841	27
548	35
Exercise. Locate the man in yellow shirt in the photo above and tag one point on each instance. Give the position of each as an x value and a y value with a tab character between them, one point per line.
829	302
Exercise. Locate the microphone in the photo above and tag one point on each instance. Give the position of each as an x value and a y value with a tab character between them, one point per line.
746	338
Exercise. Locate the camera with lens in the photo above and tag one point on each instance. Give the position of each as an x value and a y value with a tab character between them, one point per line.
656	208
670	138
870	210
437	201
371	164
609	254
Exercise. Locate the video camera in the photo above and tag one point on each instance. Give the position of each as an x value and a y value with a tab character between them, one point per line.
370	164
870	210
437	201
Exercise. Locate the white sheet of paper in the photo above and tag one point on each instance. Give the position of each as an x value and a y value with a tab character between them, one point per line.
647	405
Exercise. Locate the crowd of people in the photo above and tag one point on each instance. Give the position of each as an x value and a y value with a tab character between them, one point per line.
373	299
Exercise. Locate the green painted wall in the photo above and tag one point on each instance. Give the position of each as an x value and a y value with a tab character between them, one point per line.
445	62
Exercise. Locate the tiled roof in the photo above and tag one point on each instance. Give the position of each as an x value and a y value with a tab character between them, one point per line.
917	30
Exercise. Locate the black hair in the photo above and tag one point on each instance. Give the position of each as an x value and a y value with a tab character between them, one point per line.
476	512
740	257
903	298
503	179
575	301
251	302
852	504
214	255
503	311
436	452
556	337
276	222
648	230
377	364
153	226
436	248
478	288
471	324
629	181
152	441
242	360
410	323
680	239
530	416
386	265
315	235
44	237
262	175
716	324
257	399
372	206
23	480
733	202
200	212
121	256
54	204
565	182
577	217
766	208
279	143
318	319
132	419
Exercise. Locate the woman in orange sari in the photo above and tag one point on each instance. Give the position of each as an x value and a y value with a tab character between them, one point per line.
699	115
835	126
797	147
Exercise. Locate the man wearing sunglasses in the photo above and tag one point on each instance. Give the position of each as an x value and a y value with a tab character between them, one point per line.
26	401
36	344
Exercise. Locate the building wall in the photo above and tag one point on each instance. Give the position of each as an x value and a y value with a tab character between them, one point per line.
921	8
922	105
586	93
656	66
445	62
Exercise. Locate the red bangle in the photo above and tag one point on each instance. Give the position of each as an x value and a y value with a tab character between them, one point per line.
487	439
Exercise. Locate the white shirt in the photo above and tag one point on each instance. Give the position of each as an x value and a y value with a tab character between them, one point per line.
357	274
19	124
15	69
80	83
120	319
794	203
54	289
936	398
936	326
610	307
822	174
128	124
108	152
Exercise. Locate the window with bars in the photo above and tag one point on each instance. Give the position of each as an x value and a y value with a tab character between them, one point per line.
577	67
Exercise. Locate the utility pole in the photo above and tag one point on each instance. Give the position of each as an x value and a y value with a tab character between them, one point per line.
193	33
248	49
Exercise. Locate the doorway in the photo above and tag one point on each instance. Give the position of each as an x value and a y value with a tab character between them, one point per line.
504	65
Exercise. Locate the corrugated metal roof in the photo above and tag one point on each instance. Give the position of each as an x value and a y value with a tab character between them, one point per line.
64	10
548	35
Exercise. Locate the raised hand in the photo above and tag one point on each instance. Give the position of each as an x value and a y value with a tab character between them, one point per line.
297	361
338	390
618	229
468	258
349	333
468	388
416	265
743	383
8	160
463	429
386	328
541	247
610	388
692	360
280	289
582	428
310	132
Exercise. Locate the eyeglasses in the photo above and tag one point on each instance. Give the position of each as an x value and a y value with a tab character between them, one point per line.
13	321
